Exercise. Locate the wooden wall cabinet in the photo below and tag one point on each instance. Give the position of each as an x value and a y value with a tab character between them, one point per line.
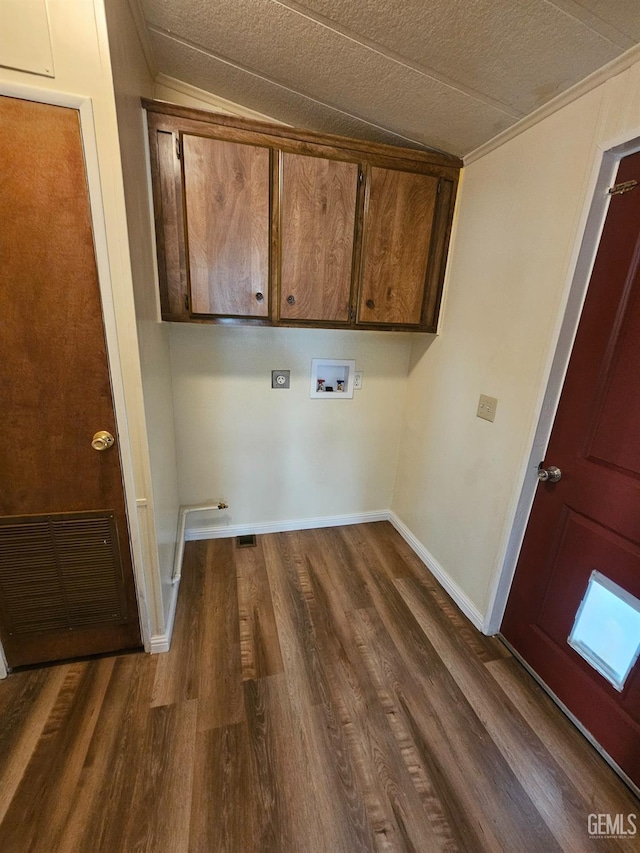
258	223
317	236
226	203
398	224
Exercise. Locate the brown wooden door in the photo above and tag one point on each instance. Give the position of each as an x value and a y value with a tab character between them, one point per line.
66	580
590	519
317	224
398	222
226	188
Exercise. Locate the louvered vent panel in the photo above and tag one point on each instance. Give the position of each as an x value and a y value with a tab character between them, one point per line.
60	572
32	597
90	575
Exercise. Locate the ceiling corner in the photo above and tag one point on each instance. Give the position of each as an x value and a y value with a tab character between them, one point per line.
137	14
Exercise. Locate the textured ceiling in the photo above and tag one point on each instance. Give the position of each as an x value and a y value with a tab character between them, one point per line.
448	74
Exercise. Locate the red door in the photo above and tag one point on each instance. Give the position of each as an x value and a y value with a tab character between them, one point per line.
590	520
66	578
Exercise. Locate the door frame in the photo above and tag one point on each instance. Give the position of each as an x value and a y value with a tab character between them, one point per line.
604	167
137	544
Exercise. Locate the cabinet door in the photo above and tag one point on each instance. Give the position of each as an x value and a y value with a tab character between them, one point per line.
227	209
317	221
169	220
398	221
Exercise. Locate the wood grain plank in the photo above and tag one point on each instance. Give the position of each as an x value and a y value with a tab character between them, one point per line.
463	746
354	715
259	643
398	560
106	787
393	804
290	817
447	751
426	758
44	799
324	604
596	781
317	209
440	236
341	824
164	776
26	702
287	742
227	203
226	814
353	722
177	674
220	695
331	766
394	268
301	655
169	219
349	586
553	793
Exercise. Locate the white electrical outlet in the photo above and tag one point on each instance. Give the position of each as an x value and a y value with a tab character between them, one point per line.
487	408
280	378
357	380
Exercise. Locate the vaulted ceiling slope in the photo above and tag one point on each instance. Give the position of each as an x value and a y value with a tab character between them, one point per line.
447	74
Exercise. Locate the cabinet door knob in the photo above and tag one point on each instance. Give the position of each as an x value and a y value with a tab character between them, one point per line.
291	300
259	296
370	303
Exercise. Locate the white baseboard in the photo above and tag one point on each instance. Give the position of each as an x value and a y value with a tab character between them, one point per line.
218	531
159	643
446	582
162	642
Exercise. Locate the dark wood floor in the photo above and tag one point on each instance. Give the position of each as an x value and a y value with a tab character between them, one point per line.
322	694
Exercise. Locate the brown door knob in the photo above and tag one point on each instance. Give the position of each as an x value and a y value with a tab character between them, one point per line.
370	303
291	299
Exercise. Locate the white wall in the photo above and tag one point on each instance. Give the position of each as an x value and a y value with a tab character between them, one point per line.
278	455
132	80
521	216
82	68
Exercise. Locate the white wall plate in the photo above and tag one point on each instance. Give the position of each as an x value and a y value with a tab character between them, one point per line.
332	378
